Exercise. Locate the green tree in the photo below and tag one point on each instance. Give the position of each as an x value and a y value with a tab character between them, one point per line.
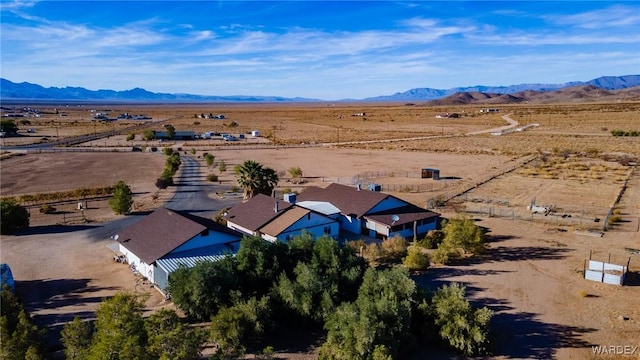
234	326
22	342
169	339
258	264
149	135
461	235
296	173
76	338
322	281
463	327
209	159
203	289
381	316
8	126
21	339
171	131
173	163
222	167
119	329
122	199
14	217
255	179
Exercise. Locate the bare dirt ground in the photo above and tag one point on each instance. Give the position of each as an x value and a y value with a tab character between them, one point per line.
531	276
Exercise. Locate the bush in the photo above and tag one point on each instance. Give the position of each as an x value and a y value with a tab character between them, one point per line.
432	239
167	151
149	135
47	209
163	183
131	137
394	248
416	259
208	158
212	177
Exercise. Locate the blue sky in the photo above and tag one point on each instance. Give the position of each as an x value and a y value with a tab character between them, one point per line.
325	50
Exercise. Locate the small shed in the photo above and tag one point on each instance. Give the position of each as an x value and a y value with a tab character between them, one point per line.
430	173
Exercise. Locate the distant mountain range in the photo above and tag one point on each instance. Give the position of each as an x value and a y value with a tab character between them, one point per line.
490	94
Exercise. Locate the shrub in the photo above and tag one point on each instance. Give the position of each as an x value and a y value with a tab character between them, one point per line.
394	248
167	151
209	159
416	259
432	239
212	177
131	137
163	183
47	209
149	135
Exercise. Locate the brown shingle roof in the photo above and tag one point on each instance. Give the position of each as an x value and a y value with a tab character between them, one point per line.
285	220
256	212
406	214
158	233
346	198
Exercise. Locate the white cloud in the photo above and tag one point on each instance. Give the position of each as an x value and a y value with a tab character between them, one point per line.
614	16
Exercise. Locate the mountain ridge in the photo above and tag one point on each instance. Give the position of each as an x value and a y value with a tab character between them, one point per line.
28	91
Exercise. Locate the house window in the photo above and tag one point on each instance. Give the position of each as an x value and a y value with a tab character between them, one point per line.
327	230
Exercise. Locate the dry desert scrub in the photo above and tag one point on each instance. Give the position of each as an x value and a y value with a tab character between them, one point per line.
575	127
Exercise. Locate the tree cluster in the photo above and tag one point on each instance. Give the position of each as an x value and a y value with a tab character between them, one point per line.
171	167
120	332
368	313
21	338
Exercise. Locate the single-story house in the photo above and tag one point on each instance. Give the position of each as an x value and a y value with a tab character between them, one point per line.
331	211
373	213
277	220
166	239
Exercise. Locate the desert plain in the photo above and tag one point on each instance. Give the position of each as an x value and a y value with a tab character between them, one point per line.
564	157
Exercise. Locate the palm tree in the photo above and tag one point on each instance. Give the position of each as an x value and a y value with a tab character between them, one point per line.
256	179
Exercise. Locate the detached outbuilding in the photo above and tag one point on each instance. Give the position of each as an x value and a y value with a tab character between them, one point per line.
430	173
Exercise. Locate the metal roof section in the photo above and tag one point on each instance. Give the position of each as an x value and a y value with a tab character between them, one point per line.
190	258
322	207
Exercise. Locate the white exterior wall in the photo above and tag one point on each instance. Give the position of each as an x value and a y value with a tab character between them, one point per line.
140	266
237	227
